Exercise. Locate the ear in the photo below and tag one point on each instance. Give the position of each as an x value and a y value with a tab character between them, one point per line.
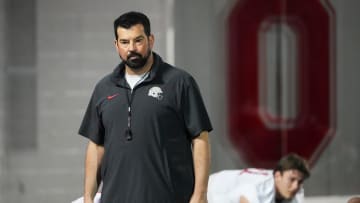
151	40
116	44
277	175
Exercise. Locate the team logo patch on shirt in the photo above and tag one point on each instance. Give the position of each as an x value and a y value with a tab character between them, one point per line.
110	97
156	92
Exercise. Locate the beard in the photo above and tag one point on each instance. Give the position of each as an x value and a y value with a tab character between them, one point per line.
135	60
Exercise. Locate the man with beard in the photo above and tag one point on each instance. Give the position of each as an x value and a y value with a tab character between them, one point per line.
283	184
147	127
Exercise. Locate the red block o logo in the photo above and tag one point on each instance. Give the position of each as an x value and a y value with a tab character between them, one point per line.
281	79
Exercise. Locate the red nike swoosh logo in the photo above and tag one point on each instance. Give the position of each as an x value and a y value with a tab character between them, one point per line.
112	96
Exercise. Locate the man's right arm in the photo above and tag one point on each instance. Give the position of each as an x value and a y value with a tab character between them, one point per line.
93	159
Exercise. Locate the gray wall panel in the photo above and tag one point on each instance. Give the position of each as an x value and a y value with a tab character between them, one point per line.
2	114
20	61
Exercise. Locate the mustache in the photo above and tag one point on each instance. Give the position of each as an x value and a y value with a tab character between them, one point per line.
133	53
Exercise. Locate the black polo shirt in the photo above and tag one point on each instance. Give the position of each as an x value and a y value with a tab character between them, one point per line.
167	112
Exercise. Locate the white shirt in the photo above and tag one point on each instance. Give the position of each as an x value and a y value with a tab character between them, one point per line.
256	185
134	80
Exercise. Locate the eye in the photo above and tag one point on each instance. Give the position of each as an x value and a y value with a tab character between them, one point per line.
124	42
139	40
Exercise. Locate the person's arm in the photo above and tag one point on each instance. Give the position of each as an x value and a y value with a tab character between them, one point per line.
94	155
201	158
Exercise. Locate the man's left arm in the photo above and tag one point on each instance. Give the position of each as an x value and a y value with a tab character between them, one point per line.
201	158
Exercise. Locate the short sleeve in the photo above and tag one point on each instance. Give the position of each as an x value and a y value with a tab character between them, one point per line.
91	126
194	112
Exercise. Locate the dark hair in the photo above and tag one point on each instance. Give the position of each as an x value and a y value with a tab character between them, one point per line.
130	19
293	161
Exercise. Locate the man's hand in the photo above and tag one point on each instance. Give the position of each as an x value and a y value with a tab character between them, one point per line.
88	201
198	199
93	159
201	157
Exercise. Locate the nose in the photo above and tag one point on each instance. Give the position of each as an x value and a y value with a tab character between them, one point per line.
132	46
295	185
